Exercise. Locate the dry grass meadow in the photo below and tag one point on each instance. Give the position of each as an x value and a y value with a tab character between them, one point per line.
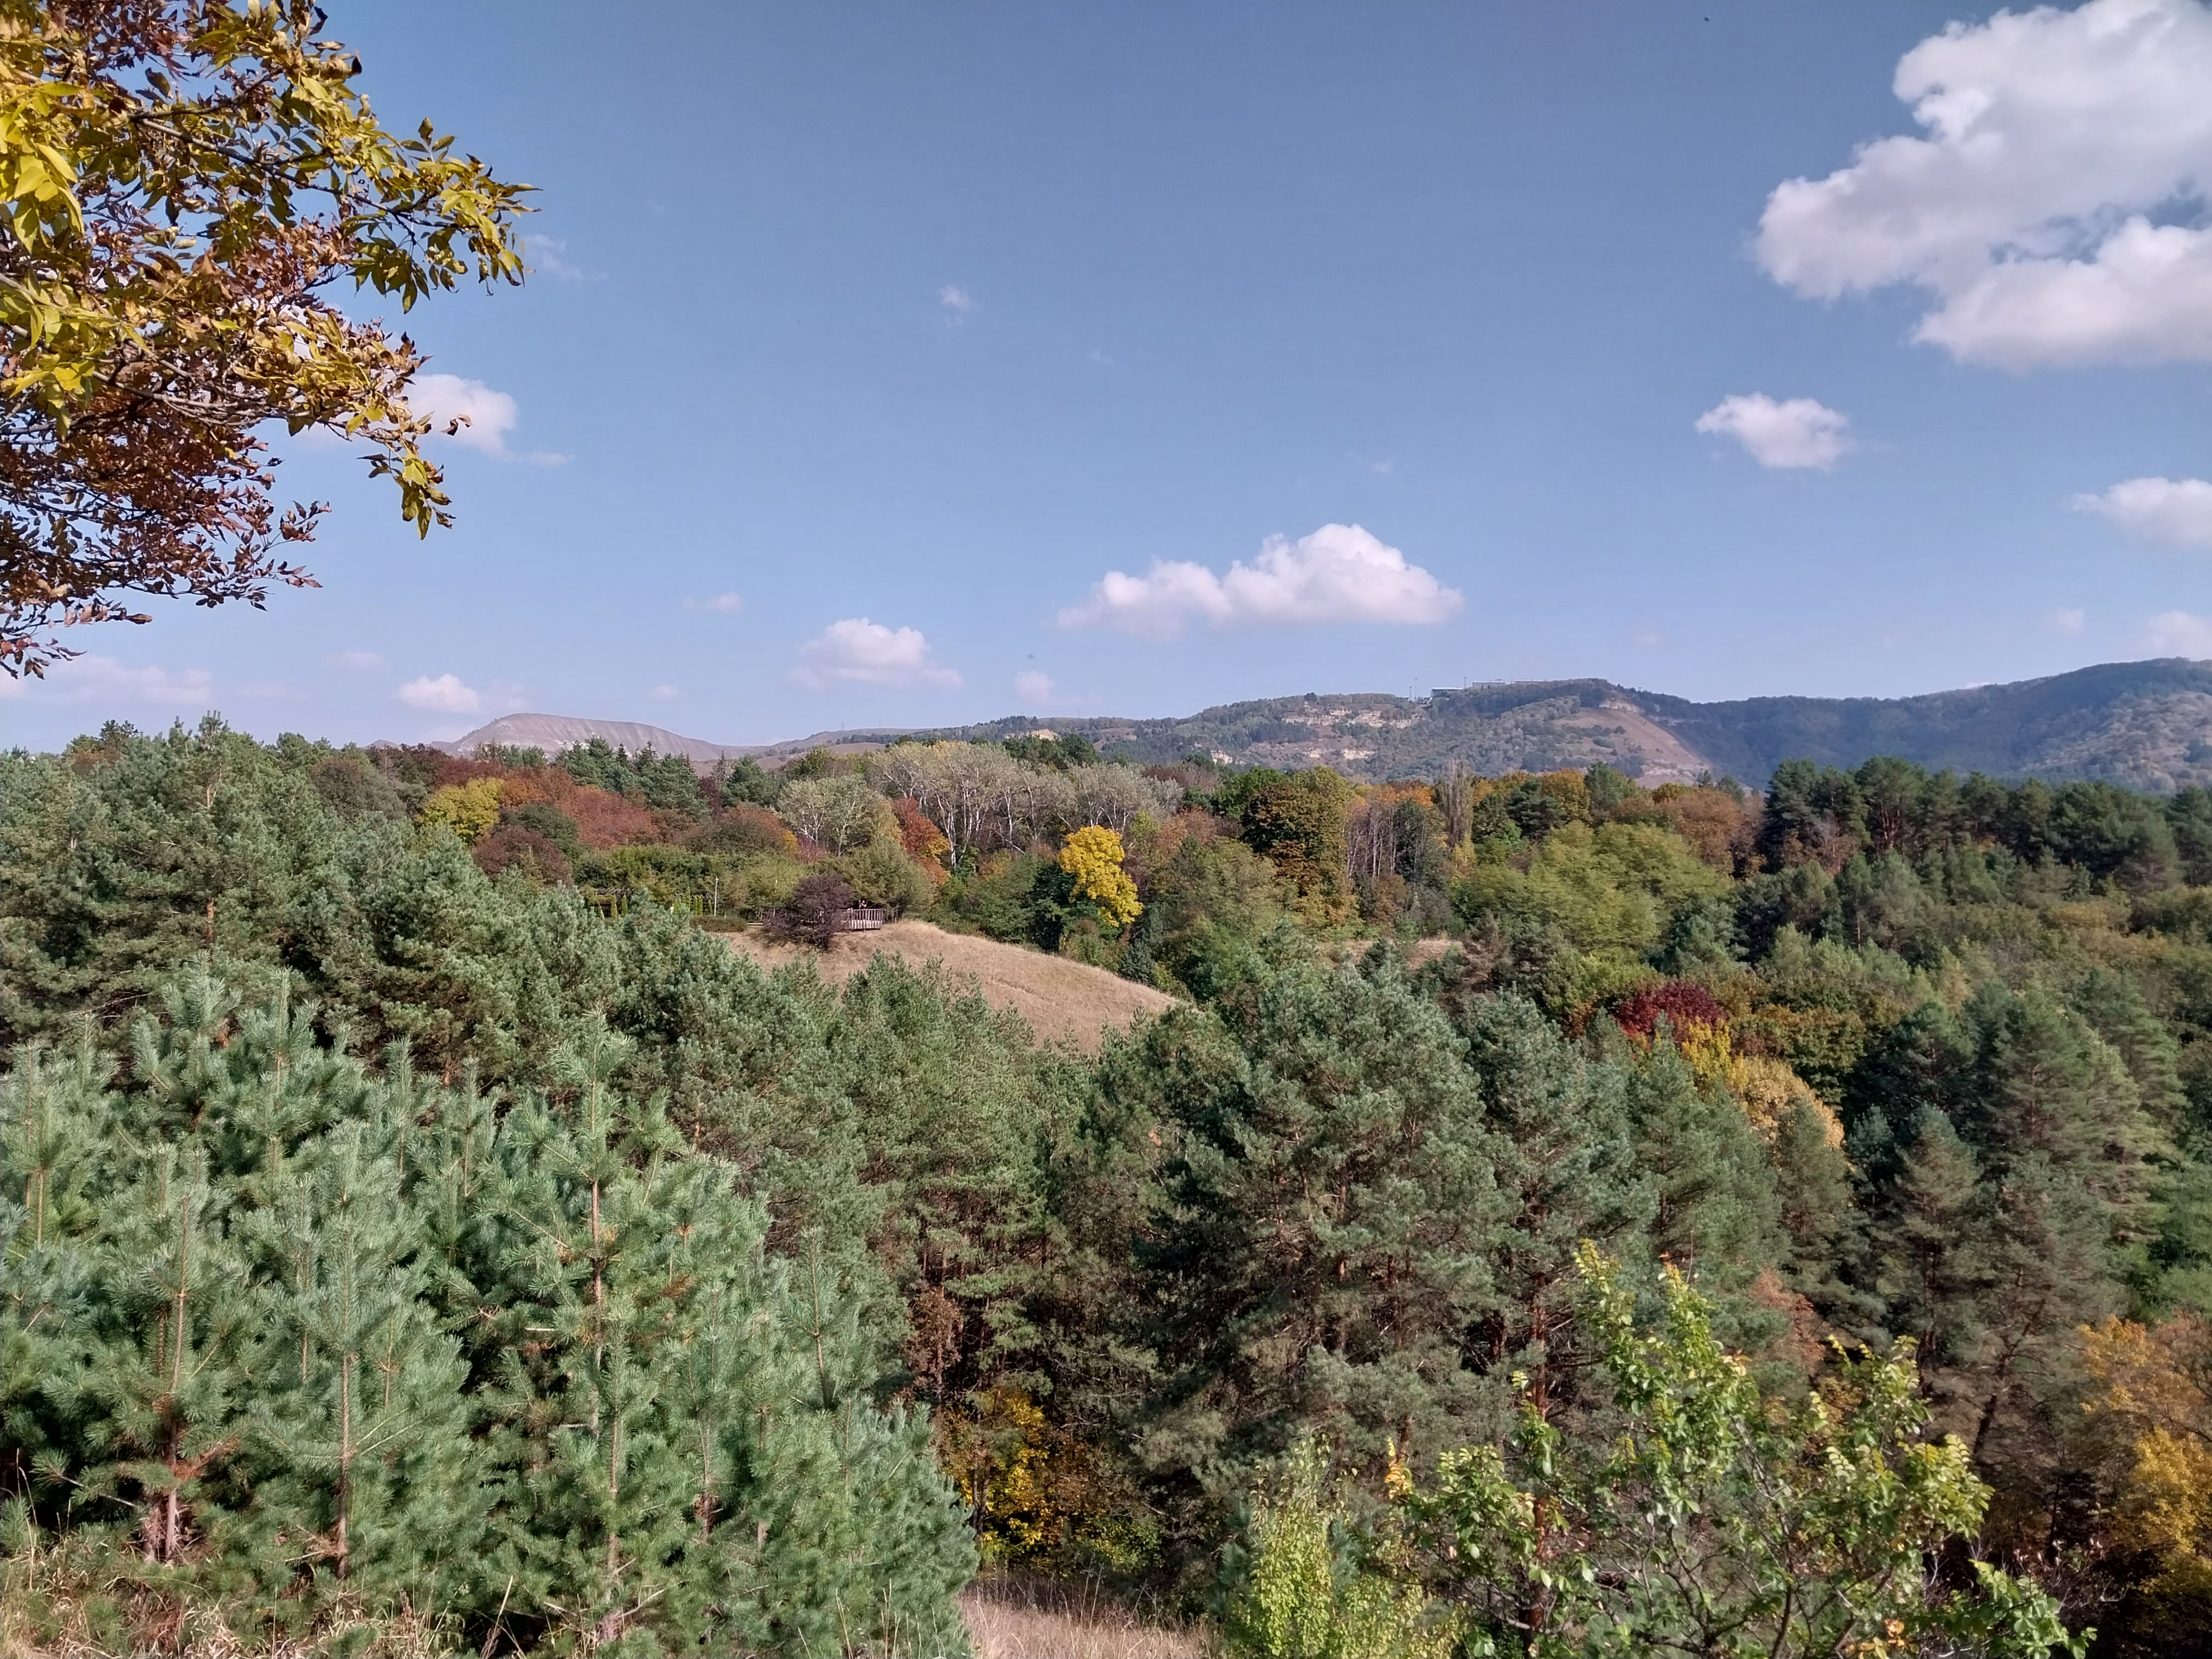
1061	1000
1012	1619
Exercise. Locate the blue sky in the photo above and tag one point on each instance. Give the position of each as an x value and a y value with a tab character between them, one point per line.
908	324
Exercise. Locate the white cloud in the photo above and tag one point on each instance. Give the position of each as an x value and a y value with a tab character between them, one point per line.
2069	623
665	693
957	299
2055	208
2177	634
1340	574
357	661
727	604
855	651
1798	432
1645	635
1033	687
549	254
103	679
2164	511
441	399
446	694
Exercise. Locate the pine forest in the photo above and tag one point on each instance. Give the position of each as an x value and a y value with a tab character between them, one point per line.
1553	1214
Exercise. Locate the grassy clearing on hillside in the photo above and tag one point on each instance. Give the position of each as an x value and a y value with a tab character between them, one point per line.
1061	1000
1026	1619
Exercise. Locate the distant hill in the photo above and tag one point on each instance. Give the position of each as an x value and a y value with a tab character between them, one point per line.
2148	725
555	732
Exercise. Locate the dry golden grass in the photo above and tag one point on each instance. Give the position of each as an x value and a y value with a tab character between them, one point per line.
49	1614
1017	1622
1061	1000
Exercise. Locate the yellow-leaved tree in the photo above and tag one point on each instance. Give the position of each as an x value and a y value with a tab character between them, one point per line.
469	810
2152	1407
1093	856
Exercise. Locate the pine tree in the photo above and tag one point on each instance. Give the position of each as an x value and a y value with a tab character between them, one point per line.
1322	1244
1566	1170
360	1395
316	1347
2113	1005
1715	1209
1822	1226
1929	1234
164	1374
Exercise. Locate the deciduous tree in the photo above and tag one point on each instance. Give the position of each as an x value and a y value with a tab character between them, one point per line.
182	182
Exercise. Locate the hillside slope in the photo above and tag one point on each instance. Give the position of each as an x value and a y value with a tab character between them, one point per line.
555	732
2148	725
1061	1000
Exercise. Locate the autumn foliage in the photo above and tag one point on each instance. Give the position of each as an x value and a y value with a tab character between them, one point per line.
1682	1004
182	183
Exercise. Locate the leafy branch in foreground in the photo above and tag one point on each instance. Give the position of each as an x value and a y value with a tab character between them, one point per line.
180	181
1722	1520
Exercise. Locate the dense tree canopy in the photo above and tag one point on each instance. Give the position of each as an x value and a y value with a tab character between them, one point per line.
1929	1064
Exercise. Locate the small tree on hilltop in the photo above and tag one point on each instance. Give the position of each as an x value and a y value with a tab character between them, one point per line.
811	915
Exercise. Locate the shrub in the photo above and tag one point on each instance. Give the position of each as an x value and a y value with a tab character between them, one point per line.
1682	1005
515	844
879	873
743	829
1301	1601
994	897
469	809
811	915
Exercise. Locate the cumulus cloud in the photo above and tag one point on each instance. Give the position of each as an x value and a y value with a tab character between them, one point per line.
445	694
854	650
2055	208
2069	623
1033	687
485	416
2177	634
2164	511
357	661
105	680
1340	574
725	603
956	299
1797	432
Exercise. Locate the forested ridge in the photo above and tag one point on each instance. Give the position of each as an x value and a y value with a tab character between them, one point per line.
2139	724
1560	1216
